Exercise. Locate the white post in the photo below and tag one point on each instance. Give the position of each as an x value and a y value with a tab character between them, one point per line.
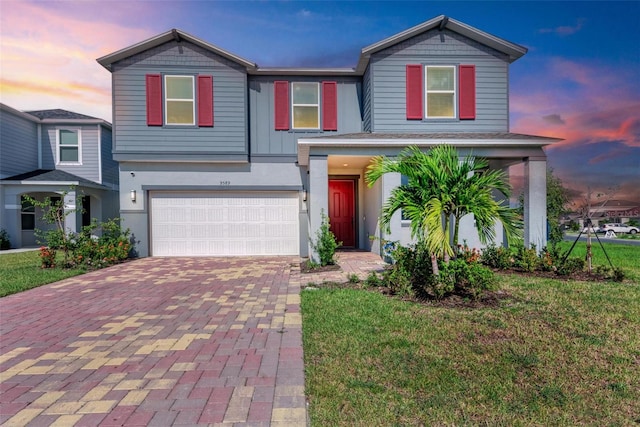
535	202
317	198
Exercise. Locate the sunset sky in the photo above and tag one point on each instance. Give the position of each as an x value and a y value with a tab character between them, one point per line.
579	81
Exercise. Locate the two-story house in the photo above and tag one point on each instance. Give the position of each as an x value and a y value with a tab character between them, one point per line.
50	153
219	156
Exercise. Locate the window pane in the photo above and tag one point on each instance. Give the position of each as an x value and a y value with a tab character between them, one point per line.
305	93
27	206
28	221
68	154
180	112
440	78
440	105
305	117
68	137
179	87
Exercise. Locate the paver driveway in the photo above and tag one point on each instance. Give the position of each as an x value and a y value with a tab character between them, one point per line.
157	341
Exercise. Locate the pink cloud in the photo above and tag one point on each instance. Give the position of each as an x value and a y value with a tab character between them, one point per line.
565	30
52	64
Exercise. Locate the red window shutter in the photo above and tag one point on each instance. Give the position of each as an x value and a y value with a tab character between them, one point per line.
467	92
154	99
205	101
281	97
329	105
414	92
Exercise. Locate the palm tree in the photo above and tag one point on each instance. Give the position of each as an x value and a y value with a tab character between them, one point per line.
440	186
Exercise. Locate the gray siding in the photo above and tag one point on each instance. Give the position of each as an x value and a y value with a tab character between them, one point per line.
18	144
439	48
89	167
109	166
265	140
132	135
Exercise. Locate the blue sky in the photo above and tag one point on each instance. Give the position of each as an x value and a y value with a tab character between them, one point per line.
579	81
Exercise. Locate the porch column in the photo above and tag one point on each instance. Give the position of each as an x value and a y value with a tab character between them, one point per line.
389	182
317	198
535	202
71	217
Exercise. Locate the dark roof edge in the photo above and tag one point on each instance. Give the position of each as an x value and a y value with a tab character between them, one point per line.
167	36
31	117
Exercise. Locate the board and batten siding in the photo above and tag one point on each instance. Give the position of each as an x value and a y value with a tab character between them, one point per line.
388	79
19	148
366	100
110	172
89	134
265	140
131	133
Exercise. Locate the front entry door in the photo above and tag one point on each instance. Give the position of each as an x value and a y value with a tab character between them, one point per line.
342	212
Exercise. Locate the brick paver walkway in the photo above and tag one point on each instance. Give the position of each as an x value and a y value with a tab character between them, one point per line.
157	341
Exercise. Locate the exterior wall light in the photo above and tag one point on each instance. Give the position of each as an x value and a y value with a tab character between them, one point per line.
133	195
304	195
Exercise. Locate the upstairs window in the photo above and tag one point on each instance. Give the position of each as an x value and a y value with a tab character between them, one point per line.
69	144
440	91
179	98
311	105
305	105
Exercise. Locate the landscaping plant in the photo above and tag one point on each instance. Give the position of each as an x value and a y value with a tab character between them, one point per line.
326	243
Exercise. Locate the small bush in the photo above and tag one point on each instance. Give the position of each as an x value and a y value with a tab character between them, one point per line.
372	280
5	242
570	266
464	278
326	243
497	257
470	255
526	259
48	257
353	278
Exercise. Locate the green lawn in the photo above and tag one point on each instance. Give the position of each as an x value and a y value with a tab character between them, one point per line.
21	271
624	256
556	353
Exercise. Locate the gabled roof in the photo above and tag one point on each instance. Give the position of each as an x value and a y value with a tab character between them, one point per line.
56	115
512	50
173	34
59	114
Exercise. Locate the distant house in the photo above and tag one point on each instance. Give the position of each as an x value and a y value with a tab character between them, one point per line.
49	152
219	156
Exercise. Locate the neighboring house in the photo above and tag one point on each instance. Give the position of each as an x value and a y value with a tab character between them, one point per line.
45	154
219	156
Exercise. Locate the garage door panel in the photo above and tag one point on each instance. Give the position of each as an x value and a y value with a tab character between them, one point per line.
217	224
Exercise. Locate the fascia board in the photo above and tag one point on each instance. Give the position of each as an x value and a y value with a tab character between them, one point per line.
304	72
305	145
167	36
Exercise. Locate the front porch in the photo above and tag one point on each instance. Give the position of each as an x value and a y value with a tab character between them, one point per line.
345	158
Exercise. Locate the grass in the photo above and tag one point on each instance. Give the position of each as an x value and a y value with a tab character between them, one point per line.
556	353
21	271
624	256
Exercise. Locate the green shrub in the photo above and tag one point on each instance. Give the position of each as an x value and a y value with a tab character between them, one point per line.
372	280
326	243
497	257
570	266
111	247
5	242
526	259
464	278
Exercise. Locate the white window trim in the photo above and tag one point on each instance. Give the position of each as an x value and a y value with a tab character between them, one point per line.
79	132
192	100
454	91
293	105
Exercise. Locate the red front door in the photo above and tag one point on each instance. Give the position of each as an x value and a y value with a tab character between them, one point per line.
342	212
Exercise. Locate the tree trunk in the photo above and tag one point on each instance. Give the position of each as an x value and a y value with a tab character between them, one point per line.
434	265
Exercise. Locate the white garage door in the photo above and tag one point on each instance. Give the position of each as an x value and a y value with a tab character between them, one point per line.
224	224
